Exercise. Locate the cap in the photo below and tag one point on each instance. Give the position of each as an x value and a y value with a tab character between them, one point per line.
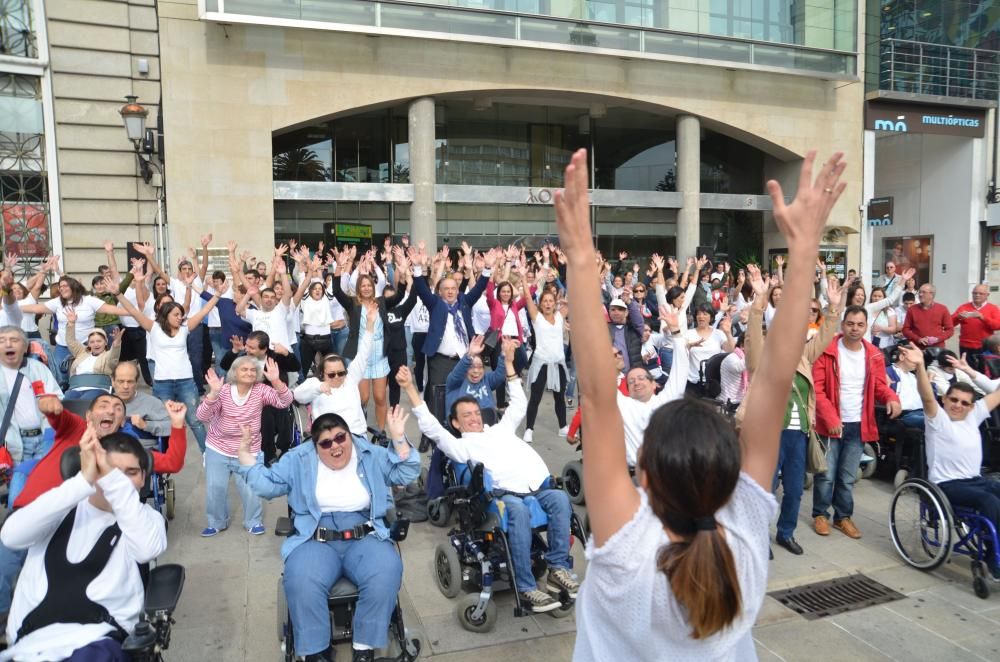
617	303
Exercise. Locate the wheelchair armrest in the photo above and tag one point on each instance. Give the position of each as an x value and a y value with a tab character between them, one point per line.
284	527
165	585
399	529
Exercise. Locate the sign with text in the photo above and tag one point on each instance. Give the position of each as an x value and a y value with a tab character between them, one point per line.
917	118
880	211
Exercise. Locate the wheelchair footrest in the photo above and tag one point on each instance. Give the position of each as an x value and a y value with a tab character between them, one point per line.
165	585
283	527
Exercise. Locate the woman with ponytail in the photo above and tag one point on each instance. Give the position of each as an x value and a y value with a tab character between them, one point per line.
678	567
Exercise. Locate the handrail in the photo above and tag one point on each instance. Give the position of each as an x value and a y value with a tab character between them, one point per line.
938	69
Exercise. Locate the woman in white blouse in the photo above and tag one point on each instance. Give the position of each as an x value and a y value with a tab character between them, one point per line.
701	514
547	371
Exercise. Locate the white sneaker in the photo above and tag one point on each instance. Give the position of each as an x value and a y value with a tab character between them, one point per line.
563	431
527	436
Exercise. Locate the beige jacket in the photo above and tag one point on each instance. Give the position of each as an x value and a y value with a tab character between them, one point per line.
106	362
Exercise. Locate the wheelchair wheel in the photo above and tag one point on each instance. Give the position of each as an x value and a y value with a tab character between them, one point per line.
422	480
563	611
981	587
464	611
447	570
439	512
920	524
900	478
169	498
572	476
868	469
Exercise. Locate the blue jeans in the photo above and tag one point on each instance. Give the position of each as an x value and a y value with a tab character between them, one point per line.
218	348
11	561
183	390
218	467
836	486
338	339
313	567
62	355
912	419
556	505
792	465
666	359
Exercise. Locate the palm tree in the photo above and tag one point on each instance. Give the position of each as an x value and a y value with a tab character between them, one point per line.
300	164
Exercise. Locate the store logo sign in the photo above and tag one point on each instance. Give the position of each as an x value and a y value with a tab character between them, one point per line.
892	117
889	125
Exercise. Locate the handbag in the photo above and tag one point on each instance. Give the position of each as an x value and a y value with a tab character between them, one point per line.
816	454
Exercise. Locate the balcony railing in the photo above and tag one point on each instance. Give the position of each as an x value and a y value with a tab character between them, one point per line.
936	70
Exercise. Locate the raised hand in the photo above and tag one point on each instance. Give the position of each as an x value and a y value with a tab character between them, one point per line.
756	280
116	335
509	346
70	314
214	384
237	344
908	274
670	318
108	246
403	377
573	210
271	372
10	260
802	222
476	346
779	260
834	291
88	454
206	239
395	423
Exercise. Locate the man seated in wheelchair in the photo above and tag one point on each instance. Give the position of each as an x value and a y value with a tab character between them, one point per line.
902	379
80	592
338	491
517	471
954	448
146	416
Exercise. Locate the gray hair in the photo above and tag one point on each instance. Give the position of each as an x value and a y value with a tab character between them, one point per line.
10	328
234	368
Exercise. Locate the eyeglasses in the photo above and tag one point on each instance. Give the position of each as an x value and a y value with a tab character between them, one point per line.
338	439
814	310
336	373
639	290
958	401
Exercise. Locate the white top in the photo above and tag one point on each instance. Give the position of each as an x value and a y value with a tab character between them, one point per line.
514	465
118	588
345	400
170	353
86	366
769	315
626	609
11	314
316	316
178	291
549	346
26	415
340	490
127	320
852	382
886	317
481	316
954	448
214	321
85	312
703	352
509	327
273	322
419	320
906	389
732	378
451	344
28	323
336	310
636	414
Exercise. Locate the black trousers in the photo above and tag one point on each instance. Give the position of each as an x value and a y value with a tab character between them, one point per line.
275	432
439	367
397	359
313	349
419	359
134	349
538	390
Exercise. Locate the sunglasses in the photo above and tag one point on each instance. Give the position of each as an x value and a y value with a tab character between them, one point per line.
338	439
639	290
958	401
336	373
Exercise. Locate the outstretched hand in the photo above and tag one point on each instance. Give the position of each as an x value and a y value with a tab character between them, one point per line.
803	221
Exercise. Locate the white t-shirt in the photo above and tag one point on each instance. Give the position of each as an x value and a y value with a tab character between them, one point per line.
703	352
273	322
340	490
481	316
509	322
852	382
86	366
316	316
954	448
26	415
627	610
170	353
28	323
127	320
178	290
85	312
419	319
549	339
906	389
731	377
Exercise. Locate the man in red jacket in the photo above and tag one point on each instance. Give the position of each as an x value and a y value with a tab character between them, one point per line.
928	324
978	318
850	378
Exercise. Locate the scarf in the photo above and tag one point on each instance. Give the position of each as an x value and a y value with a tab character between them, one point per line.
454	309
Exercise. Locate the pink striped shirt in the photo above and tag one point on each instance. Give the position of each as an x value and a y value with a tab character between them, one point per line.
225	418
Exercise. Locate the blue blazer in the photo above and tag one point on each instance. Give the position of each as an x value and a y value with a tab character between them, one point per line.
438	310
295	473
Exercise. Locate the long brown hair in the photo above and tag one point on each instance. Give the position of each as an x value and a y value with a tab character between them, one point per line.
691	456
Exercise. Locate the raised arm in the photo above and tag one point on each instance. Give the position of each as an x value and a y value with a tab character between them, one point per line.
136	313
802	224
924	387
203	266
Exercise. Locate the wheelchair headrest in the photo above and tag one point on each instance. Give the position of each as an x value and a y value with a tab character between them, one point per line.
69	462
489	416
78	407
477	483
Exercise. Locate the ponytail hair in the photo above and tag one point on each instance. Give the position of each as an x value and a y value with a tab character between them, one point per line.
691	457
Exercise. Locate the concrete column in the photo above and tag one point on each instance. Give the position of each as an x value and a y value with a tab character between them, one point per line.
423	213
688	185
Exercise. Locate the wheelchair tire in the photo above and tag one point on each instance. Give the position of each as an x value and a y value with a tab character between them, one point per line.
900	478
981	587
447	570
439	512
572	477
464	611
169	498
282	613
868	469
563	612
921	524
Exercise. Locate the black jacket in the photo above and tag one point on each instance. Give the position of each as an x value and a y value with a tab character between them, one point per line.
353	310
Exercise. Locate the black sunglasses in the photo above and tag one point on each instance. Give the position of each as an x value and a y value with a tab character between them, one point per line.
338	439
338	373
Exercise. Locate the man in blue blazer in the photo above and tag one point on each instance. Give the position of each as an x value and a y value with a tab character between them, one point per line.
450	310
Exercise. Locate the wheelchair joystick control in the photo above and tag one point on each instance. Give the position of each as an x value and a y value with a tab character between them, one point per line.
141	643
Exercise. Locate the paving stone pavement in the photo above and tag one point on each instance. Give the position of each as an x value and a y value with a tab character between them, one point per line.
228	609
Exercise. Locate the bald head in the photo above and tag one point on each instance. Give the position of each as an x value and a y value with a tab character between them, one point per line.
125	380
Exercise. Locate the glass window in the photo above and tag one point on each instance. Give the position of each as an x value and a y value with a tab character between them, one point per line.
305	155
909	252
730	166
17	35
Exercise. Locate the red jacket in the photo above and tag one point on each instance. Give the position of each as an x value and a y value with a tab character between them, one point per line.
69	428
975	330
826	377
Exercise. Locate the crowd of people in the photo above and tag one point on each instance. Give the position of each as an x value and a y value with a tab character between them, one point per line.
712	383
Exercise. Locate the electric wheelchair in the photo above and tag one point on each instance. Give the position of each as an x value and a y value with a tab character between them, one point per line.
164	584
342	601
477	556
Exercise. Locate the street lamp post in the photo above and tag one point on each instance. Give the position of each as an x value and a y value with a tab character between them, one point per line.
134	117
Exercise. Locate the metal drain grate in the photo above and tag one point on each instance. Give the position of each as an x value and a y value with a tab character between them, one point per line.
835	596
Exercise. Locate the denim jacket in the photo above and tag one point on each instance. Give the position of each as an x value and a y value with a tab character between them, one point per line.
295	473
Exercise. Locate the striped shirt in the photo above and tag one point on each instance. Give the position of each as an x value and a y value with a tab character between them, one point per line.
225	417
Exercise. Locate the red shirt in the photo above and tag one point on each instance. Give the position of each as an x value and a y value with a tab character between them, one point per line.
923	322
975	330
69	428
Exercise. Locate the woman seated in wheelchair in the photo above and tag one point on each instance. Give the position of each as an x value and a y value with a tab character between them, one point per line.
954	449
97	359
471	377
338	489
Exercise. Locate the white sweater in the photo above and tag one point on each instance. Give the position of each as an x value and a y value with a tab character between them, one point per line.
344	400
